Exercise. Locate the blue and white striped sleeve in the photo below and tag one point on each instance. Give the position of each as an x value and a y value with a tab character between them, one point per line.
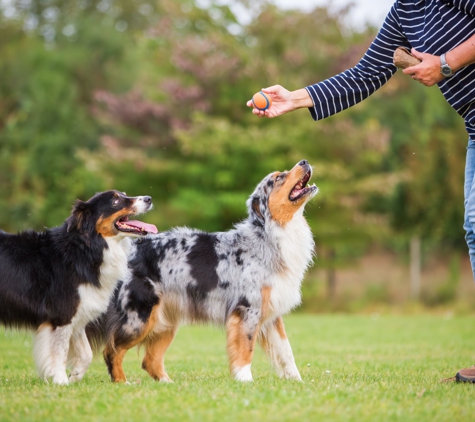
466	6
356	84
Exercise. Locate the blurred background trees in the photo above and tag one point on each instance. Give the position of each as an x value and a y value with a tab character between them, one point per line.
148	97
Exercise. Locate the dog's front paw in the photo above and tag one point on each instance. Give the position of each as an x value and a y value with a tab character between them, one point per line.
291	374
294	377
75	377
243	374
60	379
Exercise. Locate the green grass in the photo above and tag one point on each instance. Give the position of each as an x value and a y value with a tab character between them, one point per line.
355	368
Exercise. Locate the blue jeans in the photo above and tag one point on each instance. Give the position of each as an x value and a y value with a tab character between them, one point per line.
469	202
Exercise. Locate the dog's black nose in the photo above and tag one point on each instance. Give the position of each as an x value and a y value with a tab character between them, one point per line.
147	199
303	163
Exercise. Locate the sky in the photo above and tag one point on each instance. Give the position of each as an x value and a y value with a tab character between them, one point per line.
363	11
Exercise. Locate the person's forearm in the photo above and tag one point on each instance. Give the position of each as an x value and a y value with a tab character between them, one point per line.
462	55
301	99
354	85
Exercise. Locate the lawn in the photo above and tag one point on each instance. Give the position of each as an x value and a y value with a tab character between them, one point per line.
355	368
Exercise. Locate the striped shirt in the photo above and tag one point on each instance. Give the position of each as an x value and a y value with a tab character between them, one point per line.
430	26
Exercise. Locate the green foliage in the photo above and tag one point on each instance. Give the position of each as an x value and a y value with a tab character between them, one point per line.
45	118
150	98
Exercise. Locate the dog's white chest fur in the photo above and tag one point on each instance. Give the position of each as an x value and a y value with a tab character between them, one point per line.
296	246
94	300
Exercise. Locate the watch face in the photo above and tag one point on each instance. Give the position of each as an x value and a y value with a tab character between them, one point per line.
446	71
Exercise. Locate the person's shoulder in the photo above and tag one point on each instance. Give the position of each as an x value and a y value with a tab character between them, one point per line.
414	5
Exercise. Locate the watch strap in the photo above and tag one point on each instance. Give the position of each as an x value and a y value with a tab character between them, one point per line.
445	68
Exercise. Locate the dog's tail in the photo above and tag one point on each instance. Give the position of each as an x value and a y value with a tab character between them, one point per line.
100	331
104	330
96	333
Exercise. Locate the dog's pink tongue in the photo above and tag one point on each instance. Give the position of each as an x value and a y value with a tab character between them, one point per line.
149	228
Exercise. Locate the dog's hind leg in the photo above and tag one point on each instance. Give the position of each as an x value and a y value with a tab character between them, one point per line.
128	335
50	350
154	358
274	341
80	355
114	356
241	332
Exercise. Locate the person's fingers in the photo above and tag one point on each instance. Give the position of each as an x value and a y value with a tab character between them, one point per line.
274	89
409	70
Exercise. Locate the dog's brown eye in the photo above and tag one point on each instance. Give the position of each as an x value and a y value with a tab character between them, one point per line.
115	202
280	177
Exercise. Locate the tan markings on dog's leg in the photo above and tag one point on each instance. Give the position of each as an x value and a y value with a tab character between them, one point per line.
154	359
279	326
266	305
114	358
114	354
275	344
240	346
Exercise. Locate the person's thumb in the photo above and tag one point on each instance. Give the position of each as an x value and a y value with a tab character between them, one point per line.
417	55
274	89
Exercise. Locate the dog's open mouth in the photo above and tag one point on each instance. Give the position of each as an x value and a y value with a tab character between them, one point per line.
301	189
134	226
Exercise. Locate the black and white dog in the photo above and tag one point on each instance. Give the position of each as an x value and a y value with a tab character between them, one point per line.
244	279
59	280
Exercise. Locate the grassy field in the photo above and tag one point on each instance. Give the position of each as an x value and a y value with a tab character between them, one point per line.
355	368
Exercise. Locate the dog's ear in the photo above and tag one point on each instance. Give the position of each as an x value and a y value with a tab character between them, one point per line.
78	220
255	211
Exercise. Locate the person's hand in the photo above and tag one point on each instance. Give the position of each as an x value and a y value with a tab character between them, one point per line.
428	71
282	102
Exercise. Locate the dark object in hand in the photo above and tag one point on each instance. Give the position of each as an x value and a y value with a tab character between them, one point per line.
403	58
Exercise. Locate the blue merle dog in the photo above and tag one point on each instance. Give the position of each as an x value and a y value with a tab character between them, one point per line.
244	279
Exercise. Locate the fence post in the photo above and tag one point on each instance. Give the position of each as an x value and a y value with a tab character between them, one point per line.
415	264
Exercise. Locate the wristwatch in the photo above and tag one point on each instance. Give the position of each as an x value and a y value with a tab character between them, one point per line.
445	69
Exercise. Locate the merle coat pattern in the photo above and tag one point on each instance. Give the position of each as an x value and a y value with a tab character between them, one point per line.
244	279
